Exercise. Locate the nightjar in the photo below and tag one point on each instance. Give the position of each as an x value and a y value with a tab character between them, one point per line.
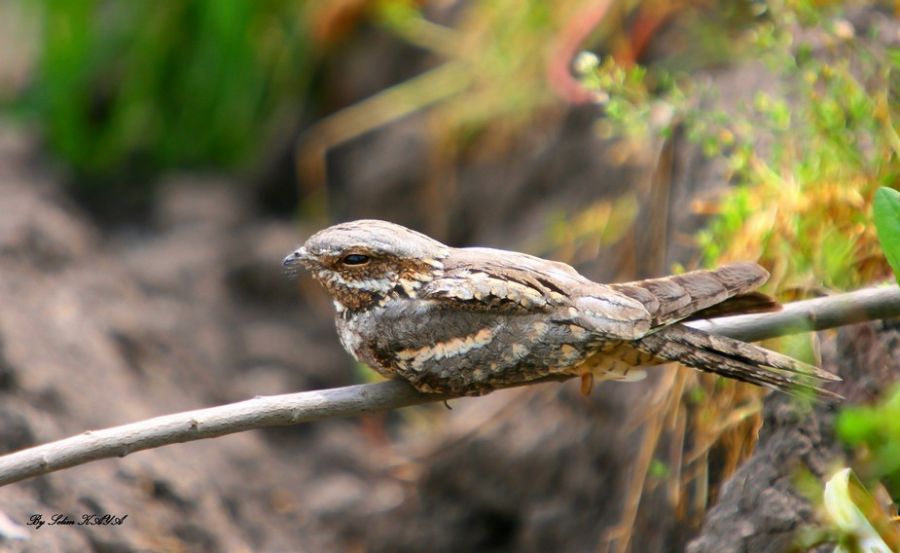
466	321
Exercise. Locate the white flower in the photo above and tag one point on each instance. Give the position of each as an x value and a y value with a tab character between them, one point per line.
585	62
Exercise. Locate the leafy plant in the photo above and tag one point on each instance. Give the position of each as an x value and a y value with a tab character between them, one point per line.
875	432
805	159
887	221
130	88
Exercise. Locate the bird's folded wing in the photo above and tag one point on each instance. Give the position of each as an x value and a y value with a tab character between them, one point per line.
484	278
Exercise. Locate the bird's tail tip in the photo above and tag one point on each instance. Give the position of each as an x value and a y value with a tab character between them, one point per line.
739	361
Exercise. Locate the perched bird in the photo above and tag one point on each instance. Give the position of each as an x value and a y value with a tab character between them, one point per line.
466	321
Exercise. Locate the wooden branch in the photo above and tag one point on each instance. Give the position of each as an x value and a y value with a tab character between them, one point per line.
287	409
868	304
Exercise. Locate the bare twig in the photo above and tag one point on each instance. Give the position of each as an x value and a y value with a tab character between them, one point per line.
260	412
868	304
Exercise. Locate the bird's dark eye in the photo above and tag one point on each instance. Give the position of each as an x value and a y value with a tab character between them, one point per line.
355	259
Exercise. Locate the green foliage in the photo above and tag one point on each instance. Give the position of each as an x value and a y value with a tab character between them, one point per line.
887	221
875	432
807	195
126	87
806	155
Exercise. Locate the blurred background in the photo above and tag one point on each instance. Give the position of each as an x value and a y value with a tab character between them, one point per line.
158	159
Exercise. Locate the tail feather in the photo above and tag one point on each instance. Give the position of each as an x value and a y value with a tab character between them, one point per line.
735	359
673	298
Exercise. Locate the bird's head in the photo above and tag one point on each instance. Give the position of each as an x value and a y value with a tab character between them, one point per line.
362	262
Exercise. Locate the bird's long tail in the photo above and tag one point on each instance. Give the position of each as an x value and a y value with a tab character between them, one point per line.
737	360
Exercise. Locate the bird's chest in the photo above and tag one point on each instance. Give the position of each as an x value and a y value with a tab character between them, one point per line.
370	335
401	333
348	335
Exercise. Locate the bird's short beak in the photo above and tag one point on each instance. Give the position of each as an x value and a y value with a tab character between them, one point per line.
297	255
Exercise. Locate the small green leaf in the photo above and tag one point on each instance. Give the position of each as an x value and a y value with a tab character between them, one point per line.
659	469
887	221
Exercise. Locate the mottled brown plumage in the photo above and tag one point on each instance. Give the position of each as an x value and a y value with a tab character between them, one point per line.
470	320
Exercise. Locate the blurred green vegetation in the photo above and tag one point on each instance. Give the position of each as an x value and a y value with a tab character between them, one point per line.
874	431
128	89
123	91
805	156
